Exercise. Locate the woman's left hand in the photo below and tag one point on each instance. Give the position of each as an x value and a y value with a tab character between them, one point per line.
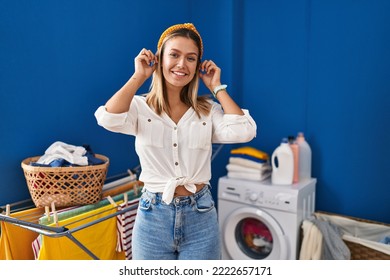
210	74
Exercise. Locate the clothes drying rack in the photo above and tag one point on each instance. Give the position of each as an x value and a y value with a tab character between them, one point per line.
63	231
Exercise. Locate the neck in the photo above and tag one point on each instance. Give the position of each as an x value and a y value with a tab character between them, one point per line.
173	94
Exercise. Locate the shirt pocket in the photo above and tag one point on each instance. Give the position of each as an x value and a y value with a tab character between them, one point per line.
150	132
200	135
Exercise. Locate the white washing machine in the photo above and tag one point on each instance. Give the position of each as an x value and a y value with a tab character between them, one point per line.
259	220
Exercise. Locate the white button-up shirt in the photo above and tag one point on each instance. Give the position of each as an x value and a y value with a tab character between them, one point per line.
173	154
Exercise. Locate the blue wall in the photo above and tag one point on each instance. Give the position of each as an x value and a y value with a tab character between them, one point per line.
320	67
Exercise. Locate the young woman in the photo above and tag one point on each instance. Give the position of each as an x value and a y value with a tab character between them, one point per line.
174	129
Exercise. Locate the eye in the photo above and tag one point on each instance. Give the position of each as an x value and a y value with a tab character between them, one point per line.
174	55
191	59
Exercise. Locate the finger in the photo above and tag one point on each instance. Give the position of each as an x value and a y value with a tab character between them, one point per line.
201	69
203	65
148	56
206	64
152	58
209	66
143	52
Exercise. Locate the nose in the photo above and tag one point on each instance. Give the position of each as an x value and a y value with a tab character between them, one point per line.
181	62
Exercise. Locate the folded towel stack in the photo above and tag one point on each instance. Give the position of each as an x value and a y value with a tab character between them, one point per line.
248	163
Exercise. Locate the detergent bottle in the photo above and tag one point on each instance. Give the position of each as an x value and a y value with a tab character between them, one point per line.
282	161
304	157
295	149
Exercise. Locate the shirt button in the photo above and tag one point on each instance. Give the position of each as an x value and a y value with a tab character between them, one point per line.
175	128
176	163
174	145
149	120
204	123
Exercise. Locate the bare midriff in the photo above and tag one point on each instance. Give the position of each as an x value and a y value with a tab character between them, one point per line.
182	191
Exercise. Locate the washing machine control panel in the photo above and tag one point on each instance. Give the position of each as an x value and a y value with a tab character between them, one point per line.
265	194
269	199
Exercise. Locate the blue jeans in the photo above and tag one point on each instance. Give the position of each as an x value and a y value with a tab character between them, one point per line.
186	229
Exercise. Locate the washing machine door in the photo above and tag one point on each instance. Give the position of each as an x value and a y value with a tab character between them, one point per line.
250	233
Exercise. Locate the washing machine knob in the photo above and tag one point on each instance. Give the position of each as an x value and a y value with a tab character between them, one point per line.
253	197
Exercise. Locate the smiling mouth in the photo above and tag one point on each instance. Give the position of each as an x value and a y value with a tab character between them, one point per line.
181	74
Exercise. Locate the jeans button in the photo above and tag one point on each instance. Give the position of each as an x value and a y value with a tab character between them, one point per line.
177	200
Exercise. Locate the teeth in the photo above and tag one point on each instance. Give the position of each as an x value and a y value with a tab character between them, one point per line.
179	73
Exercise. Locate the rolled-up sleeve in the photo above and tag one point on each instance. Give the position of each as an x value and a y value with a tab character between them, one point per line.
122	123
231	128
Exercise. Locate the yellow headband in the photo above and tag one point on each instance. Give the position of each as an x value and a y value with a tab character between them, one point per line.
173	28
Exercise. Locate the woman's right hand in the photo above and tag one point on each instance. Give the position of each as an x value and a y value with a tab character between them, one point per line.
145	63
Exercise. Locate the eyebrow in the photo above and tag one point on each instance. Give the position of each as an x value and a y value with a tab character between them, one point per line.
191	53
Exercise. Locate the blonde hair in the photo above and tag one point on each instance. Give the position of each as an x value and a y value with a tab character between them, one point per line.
157	97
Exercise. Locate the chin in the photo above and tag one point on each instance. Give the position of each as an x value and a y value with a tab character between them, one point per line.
177	83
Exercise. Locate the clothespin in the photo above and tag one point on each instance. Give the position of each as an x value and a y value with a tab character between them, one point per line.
7	210
125	198
47	212
112	202
53	209
132	175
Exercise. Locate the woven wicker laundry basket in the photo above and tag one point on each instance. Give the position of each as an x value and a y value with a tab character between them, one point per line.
65	186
